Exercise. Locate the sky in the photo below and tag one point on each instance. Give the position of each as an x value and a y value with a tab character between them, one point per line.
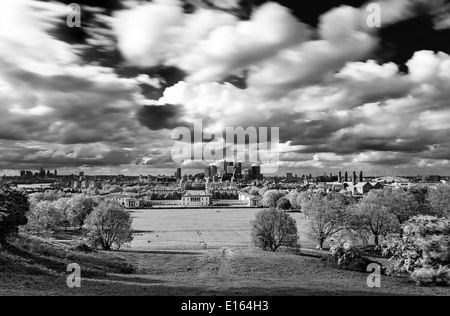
104	98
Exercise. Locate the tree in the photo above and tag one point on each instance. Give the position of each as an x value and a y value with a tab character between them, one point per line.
284	204
271	198
14	207
439	199
400	203
273	229
80	206
43	218
293	196
328	216
424	250
371	216
109	225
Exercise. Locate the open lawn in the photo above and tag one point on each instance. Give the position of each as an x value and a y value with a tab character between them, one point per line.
176	263
199	228
225	271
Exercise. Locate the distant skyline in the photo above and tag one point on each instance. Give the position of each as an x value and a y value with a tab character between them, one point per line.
104	98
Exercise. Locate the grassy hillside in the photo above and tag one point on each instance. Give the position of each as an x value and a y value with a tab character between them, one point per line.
37	267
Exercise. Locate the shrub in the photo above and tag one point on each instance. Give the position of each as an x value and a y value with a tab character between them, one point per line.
424	250
432	276
344	255
273	229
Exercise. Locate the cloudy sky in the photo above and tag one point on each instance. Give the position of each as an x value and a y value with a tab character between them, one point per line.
105	97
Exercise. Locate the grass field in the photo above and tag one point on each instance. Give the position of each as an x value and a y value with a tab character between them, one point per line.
176	263
199	228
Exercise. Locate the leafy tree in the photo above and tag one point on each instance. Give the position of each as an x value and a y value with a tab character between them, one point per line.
400	203
109	225
439	199
273	229
80	206
420	194
271	197
14	207
284	204
292	197
328	216
63	208
43	218
371	216
424	250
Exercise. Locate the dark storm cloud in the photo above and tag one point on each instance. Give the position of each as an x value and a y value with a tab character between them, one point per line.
158	117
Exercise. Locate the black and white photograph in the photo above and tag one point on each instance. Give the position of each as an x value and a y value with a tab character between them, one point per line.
225	153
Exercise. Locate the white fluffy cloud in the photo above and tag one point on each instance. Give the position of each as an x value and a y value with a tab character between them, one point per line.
208	44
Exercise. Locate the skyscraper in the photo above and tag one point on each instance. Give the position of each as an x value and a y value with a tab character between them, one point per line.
178	173
213	171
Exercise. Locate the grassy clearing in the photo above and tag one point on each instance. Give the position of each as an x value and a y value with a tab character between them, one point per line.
224	271
195	228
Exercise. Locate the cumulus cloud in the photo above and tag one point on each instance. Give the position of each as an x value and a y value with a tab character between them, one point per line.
208	44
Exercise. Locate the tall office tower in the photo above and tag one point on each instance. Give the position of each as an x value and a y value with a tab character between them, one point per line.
178	173
239	168
361	178
346	177
22	174
56	173
331	177
208	172
256	172
354	178
340	177
214	171
289	177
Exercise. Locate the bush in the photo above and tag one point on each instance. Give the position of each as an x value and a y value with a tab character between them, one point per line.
432	276
344	255
273	229
109	225
14	206
423	252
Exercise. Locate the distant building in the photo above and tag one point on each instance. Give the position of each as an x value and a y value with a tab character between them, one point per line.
196	198
289	177
178	175
130	202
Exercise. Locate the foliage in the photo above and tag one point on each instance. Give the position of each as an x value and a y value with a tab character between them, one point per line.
14	206
43	218
109	225
271	197
371	217
439	199
432	276
425	245
292	197
80	206
345	255
273	229
284	204
328	215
